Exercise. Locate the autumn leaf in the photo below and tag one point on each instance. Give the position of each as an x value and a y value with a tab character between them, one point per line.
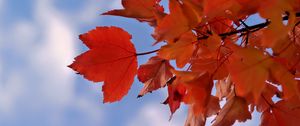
236	108
220	25
193	119
111	58
213	106
182	50
140	9
199	119
211	10
273	10
282	114
246	64
223	87
176	92
266	98
232	9
213	42
268	119
198	90
174	24
210	65
286	115
287	52
286	79
154	74
193	12
216	49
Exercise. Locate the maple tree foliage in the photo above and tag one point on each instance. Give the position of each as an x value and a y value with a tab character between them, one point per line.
251	67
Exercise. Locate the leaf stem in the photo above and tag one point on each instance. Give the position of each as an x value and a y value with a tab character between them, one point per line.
145	53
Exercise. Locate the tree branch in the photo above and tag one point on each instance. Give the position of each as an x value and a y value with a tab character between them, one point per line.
145	53
249	28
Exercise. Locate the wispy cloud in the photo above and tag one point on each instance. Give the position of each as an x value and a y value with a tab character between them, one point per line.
153	114
35	81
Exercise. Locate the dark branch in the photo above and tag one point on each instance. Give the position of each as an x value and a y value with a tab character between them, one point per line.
249	28
145	53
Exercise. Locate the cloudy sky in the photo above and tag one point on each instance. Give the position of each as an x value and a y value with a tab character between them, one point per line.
38	39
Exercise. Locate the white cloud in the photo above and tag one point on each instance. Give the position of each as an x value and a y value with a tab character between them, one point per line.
38	52
10	90
115	4
93	9
155	115
89	13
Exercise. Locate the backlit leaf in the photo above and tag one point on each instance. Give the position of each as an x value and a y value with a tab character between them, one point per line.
111	58
235	108
140	9
182	50
154	74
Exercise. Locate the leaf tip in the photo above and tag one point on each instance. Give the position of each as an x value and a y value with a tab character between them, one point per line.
71	66
139	96
105	13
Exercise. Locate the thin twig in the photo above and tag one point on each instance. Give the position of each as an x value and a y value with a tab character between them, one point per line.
249	28
145	53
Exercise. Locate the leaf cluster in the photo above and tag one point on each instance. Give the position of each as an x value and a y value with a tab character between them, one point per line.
251	67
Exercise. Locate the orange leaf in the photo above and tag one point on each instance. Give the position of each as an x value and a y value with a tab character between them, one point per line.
154	74
282	114
246	64
273	10
111	58
287	81
181	51
199	119
212	43
176	93
215	8
213	106
266	98
268	119
233	9
210	65
174	24
235	108
220	25
194	120
140	9
198	90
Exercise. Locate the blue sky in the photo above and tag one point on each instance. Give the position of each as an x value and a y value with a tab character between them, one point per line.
38	39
